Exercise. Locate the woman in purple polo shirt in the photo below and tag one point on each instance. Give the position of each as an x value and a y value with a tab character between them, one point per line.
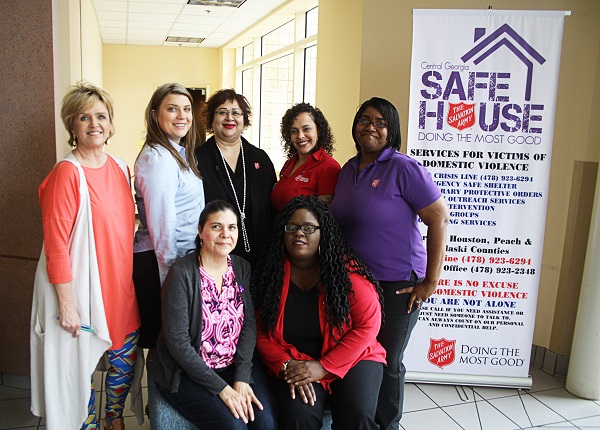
379	196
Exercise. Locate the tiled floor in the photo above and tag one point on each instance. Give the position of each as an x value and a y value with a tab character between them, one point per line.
441	407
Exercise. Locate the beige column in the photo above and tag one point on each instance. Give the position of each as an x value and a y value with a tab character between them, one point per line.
583	377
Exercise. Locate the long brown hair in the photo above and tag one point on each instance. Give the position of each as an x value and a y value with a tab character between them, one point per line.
155	135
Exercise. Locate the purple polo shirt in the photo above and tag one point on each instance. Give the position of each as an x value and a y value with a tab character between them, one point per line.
377	212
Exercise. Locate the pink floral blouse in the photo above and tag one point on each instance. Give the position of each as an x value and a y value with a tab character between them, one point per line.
222	318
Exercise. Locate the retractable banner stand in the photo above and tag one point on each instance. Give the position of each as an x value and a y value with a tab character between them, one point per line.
481	116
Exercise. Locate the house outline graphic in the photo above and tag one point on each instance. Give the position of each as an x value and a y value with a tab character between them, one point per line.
483	50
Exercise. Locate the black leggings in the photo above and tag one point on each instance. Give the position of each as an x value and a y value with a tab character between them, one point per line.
353	401
146	280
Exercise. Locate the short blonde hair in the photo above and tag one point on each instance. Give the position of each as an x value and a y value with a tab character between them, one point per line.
80	97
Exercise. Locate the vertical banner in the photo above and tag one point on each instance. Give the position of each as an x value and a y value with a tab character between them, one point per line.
481	116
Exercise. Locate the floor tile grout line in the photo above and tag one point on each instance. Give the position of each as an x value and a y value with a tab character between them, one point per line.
476	408
493	406
506	416
450	416
549	407
440	407
429	397
462	402
525	409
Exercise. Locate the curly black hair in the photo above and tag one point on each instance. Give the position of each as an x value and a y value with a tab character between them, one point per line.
337	261
325	134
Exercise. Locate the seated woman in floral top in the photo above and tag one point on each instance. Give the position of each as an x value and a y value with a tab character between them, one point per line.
204	352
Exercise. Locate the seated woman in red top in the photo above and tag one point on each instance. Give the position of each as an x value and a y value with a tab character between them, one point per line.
318	314
310	169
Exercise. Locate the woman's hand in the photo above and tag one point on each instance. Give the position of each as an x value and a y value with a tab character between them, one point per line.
68	317
435	217
304	372
235	402
419	293
306	393
70	321
245	390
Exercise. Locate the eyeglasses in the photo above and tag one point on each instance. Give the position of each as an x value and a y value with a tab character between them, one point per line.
378	123
306	229
236	113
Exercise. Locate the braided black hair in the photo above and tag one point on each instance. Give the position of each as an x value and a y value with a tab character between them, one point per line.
337	261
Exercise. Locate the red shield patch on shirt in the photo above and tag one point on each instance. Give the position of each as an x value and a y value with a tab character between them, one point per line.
441	352
461	115
375	183
256	166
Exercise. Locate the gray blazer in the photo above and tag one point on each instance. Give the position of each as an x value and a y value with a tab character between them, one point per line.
179	341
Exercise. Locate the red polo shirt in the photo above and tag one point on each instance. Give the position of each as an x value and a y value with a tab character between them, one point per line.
317	176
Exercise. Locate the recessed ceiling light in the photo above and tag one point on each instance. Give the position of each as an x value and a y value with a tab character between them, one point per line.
184	39
226	3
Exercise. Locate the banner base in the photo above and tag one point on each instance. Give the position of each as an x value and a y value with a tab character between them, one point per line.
475	380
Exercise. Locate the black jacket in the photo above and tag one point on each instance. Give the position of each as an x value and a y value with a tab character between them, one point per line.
181	335
260	179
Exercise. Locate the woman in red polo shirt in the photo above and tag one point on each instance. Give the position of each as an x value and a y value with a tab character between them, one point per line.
310	169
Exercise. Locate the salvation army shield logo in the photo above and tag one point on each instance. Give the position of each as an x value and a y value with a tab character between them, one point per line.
441	352
461	115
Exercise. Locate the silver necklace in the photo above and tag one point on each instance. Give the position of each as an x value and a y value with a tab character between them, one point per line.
241	210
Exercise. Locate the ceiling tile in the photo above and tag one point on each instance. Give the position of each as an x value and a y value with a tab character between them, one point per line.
222	12
180	2
131	41
159	26
113	16
155	8
149	21
151	17
189	33
195	19
151	32
114	32
190	27
262	4
111	5
108	24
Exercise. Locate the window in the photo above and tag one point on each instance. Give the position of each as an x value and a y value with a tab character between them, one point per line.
248	91
310	74
278	38
312	22
276	97
248	53
275	71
